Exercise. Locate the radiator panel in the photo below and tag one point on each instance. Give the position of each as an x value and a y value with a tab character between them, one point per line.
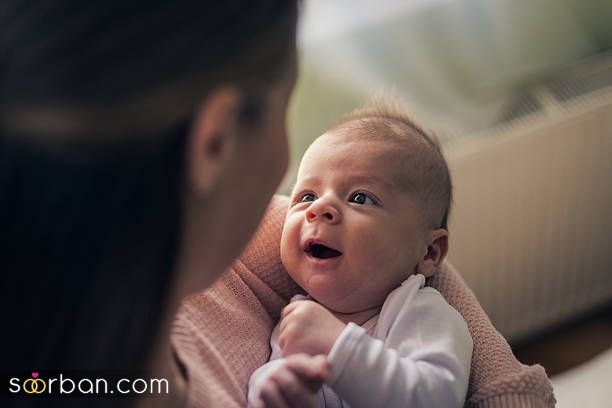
531	224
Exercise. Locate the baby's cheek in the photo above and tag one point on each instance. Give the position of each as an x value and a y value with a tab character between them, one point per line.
370	253
291	259
287	246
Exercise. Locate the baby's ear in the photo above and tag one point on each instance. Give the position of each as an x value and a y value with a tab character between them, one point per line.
435	253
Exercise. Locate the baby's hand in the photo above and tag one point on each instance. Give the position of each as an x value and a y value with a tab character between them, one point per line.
294	383
307	327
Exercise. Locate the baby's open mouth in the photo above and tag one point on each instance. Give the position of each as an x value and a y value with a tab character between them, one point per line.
320	251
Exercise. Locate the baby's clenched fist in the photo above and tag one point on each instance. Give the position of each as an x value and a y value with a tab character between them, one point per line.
307	327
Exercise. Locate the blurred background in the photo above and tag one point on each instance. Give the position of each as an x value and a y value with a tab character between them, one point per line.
519	92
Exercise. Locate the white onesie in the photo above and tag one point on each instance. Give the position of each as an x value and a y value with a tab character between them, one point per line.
415	353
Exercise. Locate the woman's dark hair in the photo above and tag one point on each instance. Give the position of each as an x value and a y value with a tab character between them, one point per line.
96	101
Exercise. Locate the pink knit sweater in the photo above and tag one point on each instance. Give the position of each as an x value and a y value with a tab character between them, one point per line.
221	335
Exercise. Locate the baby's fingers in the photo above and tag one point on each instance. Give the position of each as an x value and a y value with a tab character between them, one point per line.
285	389
312	371
295	392
271	396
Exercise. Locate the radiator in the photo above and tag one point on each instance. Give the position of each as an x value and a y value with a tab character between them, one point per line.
531	226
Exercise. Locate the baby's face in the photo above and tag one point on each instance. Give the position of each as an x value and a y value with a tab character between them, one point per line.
352	233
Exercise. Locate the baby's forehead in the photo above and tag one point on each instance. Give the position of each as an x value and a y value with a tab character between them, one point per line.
357	149
388	142
386	131
382	157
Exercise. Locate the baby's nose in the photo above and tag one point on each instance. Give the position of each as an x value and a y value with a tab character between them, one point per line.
323	213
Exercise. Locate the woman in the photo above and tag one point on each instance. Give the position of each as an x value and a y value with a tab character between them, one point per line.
136	139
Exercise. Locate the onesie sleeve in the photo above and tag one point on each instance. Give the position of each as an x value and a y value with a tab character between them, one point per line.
423	360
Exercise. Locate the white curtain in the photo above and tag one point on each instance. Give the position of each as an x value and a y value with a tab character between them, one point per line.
456	63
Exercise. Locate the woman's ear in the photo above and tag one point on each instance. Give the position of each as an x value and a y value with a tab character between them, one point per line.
212	140
435	253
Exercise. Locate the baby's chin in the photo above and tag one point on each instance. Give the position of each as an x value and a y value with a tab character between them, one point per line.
323	288
334	301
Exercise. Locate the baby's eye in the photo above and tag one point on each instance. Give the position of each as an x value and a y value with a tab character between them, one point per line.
362	198
307	197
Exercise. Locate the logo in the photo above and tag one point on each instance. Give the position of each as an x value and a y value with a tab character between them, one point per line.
93	384
34	385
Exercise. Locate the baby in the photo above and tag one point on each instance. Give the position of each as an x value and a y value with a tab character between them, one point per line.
367	223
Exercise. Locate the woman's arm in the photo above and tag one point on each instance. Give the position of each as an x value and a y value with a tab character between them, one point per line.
221	335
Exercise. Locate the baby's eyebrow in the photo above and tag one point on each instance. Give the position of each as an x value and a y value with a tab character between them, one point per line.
370	178
309	181
365	178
